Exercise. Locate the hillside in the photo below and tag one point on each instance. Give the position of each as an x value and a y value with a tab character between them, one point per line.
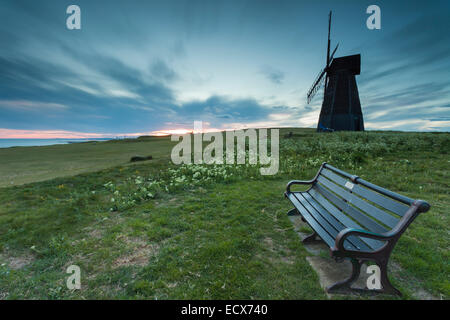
156	230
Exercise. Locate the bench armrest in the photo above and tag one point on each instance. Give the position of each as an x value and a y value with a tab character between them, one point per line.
344	234
288	187
417	207
302	182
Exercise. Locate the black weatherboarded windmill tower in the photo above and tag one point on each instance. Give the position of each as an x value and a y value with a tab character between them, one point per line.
341	108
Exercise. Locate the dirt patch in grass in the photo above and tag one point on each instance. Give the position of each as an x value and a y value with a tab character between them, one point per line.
95	233
16	262
140	252
269	242
172	285
277	249
287	260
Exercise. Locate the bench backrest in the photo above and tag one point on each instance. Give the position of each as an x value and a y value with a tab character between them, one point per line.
374	208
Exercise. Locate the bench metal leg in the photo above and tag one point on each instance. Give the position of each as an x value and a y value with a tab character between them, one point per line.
387	287
293	212
385	283
346	284
312	238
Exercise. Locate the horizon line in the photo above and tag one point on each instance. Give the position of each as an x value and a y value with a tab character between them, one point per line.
64	134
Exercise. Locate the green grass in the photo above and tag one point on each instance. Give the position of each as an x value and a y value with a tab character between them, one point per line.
19	165
221	235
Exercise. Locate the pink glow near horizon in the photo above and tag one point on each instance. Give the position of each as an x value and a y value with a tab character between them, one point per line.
55	134
64	134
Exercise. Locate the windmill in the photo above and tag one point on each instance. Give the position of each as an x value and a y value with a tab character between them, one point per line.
341	108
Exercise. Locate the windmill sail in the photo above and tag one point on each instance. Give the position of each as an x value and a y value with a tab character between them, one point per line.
328	46
316	86
334	51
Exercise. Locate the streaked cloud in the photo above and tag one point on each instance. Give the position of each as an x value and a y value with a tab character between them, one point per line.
152	66
32	105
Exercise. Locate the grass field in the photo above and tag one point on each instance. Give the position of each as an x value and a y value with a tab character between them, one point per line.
19	165
158	231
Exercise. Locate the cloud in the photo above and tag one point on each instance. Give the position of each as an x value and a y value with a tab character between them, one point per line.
403	82
224	108
146	65
162	71
111	89
275	76
32	105
115	95
409	125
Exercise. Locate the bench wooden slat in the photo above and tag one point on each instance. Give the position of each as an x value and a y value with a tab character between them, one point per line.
369	209
349	223
389	204
323	234
355	241
323	223
357	215
385	202
333	176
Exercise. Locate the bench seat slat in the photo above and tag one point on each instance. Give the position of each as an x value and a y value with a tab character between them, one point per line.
385	202
357	215
374	212
323	234
349	223
323	222
356	241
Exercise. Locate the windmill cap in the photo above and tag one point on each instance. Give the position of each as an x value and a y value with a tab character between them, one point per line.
347	63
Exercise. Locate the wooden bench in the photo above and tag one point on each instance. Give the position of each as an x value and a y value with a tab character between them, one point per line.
355	218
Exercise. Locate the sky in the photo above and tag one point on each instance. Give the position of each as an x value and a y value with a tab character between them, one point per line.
141	67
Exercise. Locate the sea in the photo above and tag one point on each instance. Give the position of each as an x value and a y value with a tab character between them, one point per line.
7	143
